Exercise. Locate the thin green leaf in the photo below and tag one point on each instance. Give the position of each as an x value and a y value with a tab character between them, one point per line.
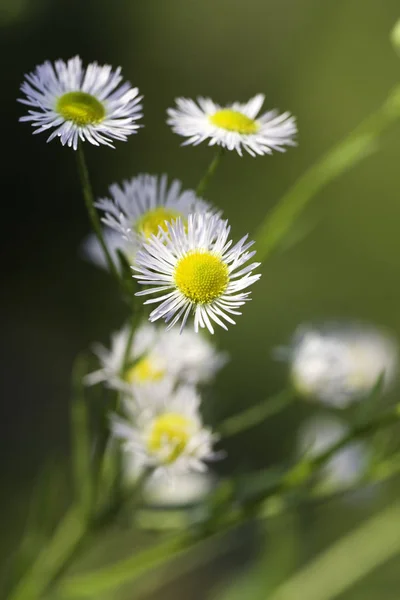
347	561
52	558
129	569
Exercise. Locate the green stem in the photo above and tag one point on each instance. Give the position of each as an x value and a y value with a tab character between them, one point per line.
210	172
130	569
305	469
359	144
81	442
91	210
135	319
388	418
256	414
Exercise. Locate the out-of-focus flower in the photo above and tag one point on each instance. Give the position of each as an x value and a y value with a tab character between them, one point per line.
93	252
144	204
395	36
81	104
235	127
164	431
179	490
198	270
346	466
157	355
339	363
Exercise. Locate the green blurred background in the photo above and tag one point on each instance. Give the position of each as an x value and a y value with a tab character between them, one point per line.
331	64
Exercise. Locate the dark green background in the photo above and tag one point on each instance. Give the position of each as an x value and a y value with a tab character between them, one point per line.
331	64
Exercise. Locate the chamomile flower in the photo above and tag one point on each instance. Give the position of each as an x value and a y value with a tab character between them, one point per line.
81	104
199	271
235	127
346	466
94	253
155	356
140	206
340	363
164	431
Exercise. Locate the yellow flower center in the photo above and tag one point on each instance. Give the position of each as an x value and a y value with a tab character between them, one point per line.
80	108
149	223
201	277
144	371
169	432
232	120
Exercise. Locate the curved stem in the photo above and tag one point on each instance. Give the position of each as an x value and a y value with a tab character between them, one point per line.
302	472
135	319
91	210
355	147
256	414
210	172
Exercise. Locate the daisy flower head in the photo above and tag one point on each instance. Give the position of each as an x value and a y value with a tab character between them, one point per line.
164	431
81	103
156	356
140	206
339	363
198	269
234	127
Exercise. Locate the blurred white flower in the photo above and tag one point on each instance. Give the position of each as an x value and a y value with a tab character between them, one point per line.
339	364
182	490
157	355
164	431
94	253
139	207
178	490
196	270
346	466
81	104
235	127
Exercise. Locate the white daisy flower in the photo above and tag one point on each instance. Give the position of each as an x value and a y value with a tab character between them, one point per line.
199	271
164	431
145	203
339	364
94	253
235	127
80	103
345	467
157	355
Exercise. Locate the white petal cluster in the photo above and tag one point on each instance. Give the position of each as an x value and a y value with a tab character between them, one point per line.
234	127
81	103
196	269
140	205
164	356
340	363
163	431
